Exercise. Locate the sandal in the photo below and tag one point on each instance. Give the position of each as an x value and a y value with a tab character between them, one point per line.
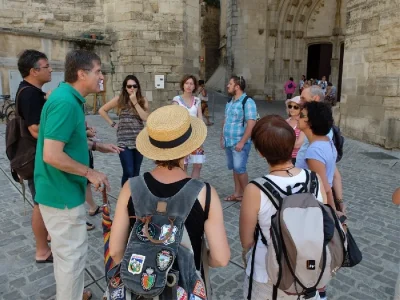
89	226
98	210
233	197
87	295
45	261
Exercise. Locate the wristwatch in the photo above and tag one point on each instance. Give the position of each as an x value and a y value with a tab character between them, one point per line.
113	124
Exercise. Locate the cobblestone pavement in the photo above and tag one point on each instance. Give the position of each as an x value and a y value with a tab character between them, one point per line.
368	183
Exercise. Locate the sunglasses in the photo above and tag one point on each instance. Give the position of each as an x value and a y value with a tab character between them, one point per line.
293	106
129	86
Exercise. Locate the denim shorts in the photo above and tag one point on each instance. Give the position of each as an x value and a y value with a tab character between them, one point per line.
237	161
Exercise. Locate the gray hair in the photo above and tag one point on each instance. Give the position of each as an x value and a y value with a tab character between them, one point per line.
315	90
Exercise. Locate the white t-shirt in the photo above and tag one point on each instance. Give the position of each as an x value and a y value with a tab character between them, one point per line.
193	109
267	210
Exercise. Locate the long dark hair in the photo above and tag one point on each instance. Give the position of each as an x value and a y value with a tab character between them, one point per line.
124	102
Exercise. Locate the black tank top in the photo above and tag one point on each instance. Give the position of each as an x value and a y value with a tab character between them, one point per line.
195	221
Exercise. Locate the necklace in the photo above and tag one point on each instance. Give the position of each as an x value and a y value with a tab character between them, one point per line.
285	170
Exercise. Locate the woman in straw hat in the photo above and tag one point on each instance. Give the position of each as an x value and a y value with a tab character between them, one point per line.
170	135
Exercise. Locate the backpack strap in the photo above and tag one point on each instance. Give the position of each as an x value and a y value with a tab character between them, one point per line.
265	186
243	105
208	201
16	100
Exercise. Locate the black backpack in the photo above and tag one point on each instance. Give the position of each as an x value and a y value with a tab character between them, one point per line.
20	146
338	141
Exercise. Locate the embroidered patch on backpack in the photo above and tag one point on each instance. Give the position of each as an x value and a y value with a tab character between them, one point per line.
181	294
199	290
148	279
118	294
135	265
164	259
140	234
164	232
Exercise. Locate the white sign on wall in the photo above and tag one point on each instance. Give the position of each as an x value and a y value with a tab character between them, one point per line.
15	79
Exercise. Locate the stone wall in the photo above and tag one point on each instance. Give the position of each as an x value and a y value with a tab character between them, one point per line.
210	40
370	105
67	17
153	38
15	41
269	40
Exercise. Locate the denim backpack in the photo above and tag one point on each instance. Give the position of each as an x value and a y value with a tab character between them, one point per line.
158	262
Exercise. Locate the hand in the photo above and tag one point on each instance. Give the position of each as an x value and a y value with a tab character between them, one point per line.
133	99
90	132
109	148
98	180
239	146
222	143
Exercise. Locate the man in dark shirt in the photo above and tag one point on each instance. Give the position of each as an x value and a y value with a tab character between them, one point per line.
36	71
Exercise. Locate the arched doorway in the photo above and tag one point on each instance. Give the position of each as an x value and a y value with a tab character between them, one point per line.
319	61
339	87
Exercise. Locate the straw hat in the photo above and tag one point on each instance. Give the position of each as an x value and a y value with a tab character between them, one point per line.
170	133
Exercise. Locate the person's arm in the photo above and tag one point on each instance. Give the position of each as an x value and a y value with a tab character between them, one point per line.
120	227
103	148
338	188
396	197
103	111
34	130
249	209
221	140
214	229
299	140
319	168
250	118
60	126
142	112
204	92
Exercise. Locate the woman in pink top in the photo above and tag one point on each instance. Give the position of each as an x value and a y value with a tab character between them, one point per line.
290	88
293	109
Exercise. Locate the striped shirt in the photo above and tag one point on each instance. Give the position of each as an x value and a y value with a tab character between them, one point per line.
128	129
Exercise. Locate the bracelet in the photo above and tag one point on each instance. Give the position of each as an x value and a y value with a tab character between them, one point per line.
113	124
339	200
94	146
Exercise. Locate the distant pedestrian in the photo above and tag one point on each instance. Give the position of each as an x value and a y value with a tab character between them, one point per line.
289	88
301	83
203	95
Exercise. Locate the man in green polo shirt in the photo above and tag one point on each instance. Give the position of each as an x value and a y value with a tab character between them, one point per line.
61	171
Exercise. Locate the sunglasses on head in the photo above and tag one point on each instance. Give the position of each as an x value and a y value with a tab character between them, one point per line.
129	86
293	106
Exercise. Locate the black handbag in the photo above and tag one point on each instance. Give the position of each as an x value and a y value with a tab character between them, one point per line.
353	254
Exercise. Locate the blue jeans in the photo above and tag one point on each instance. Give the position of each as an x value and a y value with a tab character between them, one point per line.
237	161
131	160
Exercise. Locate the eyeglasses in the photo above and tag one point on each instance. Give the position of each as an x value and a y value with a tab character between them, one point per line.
293	106
129	86
302	116
45	67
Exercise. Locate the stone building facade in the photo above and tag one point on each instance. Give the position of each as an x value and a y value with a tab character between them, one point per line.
144	37
269	41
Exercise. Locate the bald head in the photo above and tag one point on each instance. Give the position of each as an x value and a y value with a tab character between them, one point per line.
312	93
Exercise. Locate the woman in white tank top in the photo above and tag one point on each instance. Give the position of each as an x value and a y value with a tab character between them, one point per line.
273	139
193	105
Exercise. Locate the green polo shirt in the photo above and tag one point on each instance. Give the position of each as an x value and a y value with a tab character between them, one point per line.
62	119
